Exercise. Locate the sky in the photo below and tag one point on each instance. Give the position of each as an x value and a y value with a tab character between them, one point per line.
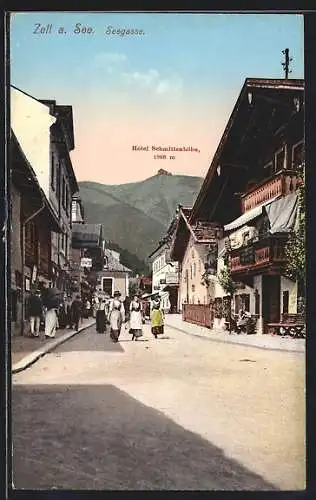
173	84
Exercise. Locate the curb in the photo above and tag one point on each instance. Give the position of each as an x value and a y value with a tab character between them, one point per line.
229	341
39	353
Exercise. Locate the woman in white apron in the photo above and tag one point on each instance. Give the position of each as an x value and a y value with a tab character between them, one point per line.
136	319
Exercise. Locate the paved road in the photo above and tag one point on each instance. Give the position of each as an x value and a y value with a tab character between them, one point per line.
174	413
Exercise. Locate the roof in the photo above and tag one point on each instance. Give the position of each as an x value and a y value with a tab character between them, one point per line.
113	264
86	235
257	86
186	211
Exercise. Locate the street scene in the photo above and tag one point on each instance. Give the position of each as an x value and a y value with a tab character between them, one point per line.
179	412
157	253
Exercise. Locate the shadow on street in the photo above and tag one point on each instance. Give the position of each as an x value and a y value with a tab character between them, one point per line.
90	341
98	437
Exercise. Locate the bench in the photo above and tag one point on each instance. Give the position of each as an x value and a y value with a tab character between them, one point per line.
291	324
250	327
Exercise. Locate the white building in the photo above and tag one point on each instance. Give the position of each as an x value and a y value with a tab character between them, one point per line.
165	277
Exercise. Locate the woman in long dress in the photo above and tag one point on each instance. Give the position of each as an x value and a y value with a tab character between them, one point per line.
157	319
136	319
101	316
116	319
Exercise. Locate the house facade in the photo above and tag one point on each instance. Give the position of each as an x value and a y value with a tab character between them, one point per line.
86	255
250	190
32	220
195	247
114	276
62	187
165	270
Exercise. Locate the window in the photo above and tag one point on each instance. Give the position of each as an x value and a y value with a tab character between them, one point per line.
66	245
194	269
107	286
199	266
53	172
268	169
58	178
191	271
285	308
297	155
280	160
63	192
67	201
192	254
245	297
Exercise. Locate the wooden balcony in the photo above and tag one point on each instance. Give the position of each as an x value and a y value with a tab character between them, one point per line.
198	314
262	254
282	183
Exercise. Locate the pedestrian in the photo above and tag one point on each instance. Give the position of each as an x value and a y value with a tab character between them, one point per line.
95	306
51	318
76	312
127	303
135	324
157	319
101	316
117	296
116	317
35	310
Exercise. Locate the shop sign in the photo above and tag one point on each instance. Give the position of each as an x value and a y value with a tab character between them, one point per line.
86	262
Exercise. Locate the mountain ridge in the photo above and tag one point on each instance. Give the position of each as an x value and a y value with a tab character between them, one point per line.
136	215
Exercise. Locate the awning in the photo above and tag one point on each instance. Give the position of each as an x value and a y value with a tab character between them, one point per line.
247	216
282	214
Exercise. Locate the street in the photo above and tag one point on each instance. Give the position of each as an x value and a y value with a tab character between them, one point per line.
176	413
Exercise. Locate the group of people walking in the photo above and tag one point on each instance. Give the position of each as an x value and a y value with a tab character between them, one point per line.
112	312
50	309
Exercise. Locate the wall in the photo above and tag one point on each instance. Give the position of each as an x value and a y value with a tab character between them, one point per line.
193	262
16	257
119	281
31	122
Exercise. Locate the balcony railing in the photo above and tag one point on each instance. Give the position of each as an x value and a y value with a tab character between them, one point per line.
260	254
281	184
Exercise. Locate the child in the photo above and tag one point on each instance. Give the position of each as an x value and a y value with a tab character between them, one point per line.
157	326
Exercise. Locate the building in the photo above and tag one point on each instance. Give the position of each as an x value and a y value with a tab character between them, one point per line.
113	277
165	271
195	248
269	202
62	188
250	191
87	253
32	220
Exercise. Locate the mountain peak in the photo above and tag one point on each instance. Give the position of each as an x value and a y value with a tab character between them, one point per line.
161	171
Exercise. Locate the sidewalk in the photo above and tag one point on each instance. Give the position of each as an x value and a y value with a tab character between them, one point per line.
26	350
273	342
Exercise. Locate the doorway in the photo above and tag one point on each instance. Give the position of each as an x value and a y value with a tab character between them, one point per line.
271	287
173	298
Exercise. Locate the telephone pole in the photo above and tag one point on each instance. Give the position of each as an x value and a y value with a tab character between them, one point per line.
286	63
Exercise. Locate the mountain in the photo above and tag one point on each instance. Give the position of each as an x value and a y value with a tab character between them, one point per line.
135	215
